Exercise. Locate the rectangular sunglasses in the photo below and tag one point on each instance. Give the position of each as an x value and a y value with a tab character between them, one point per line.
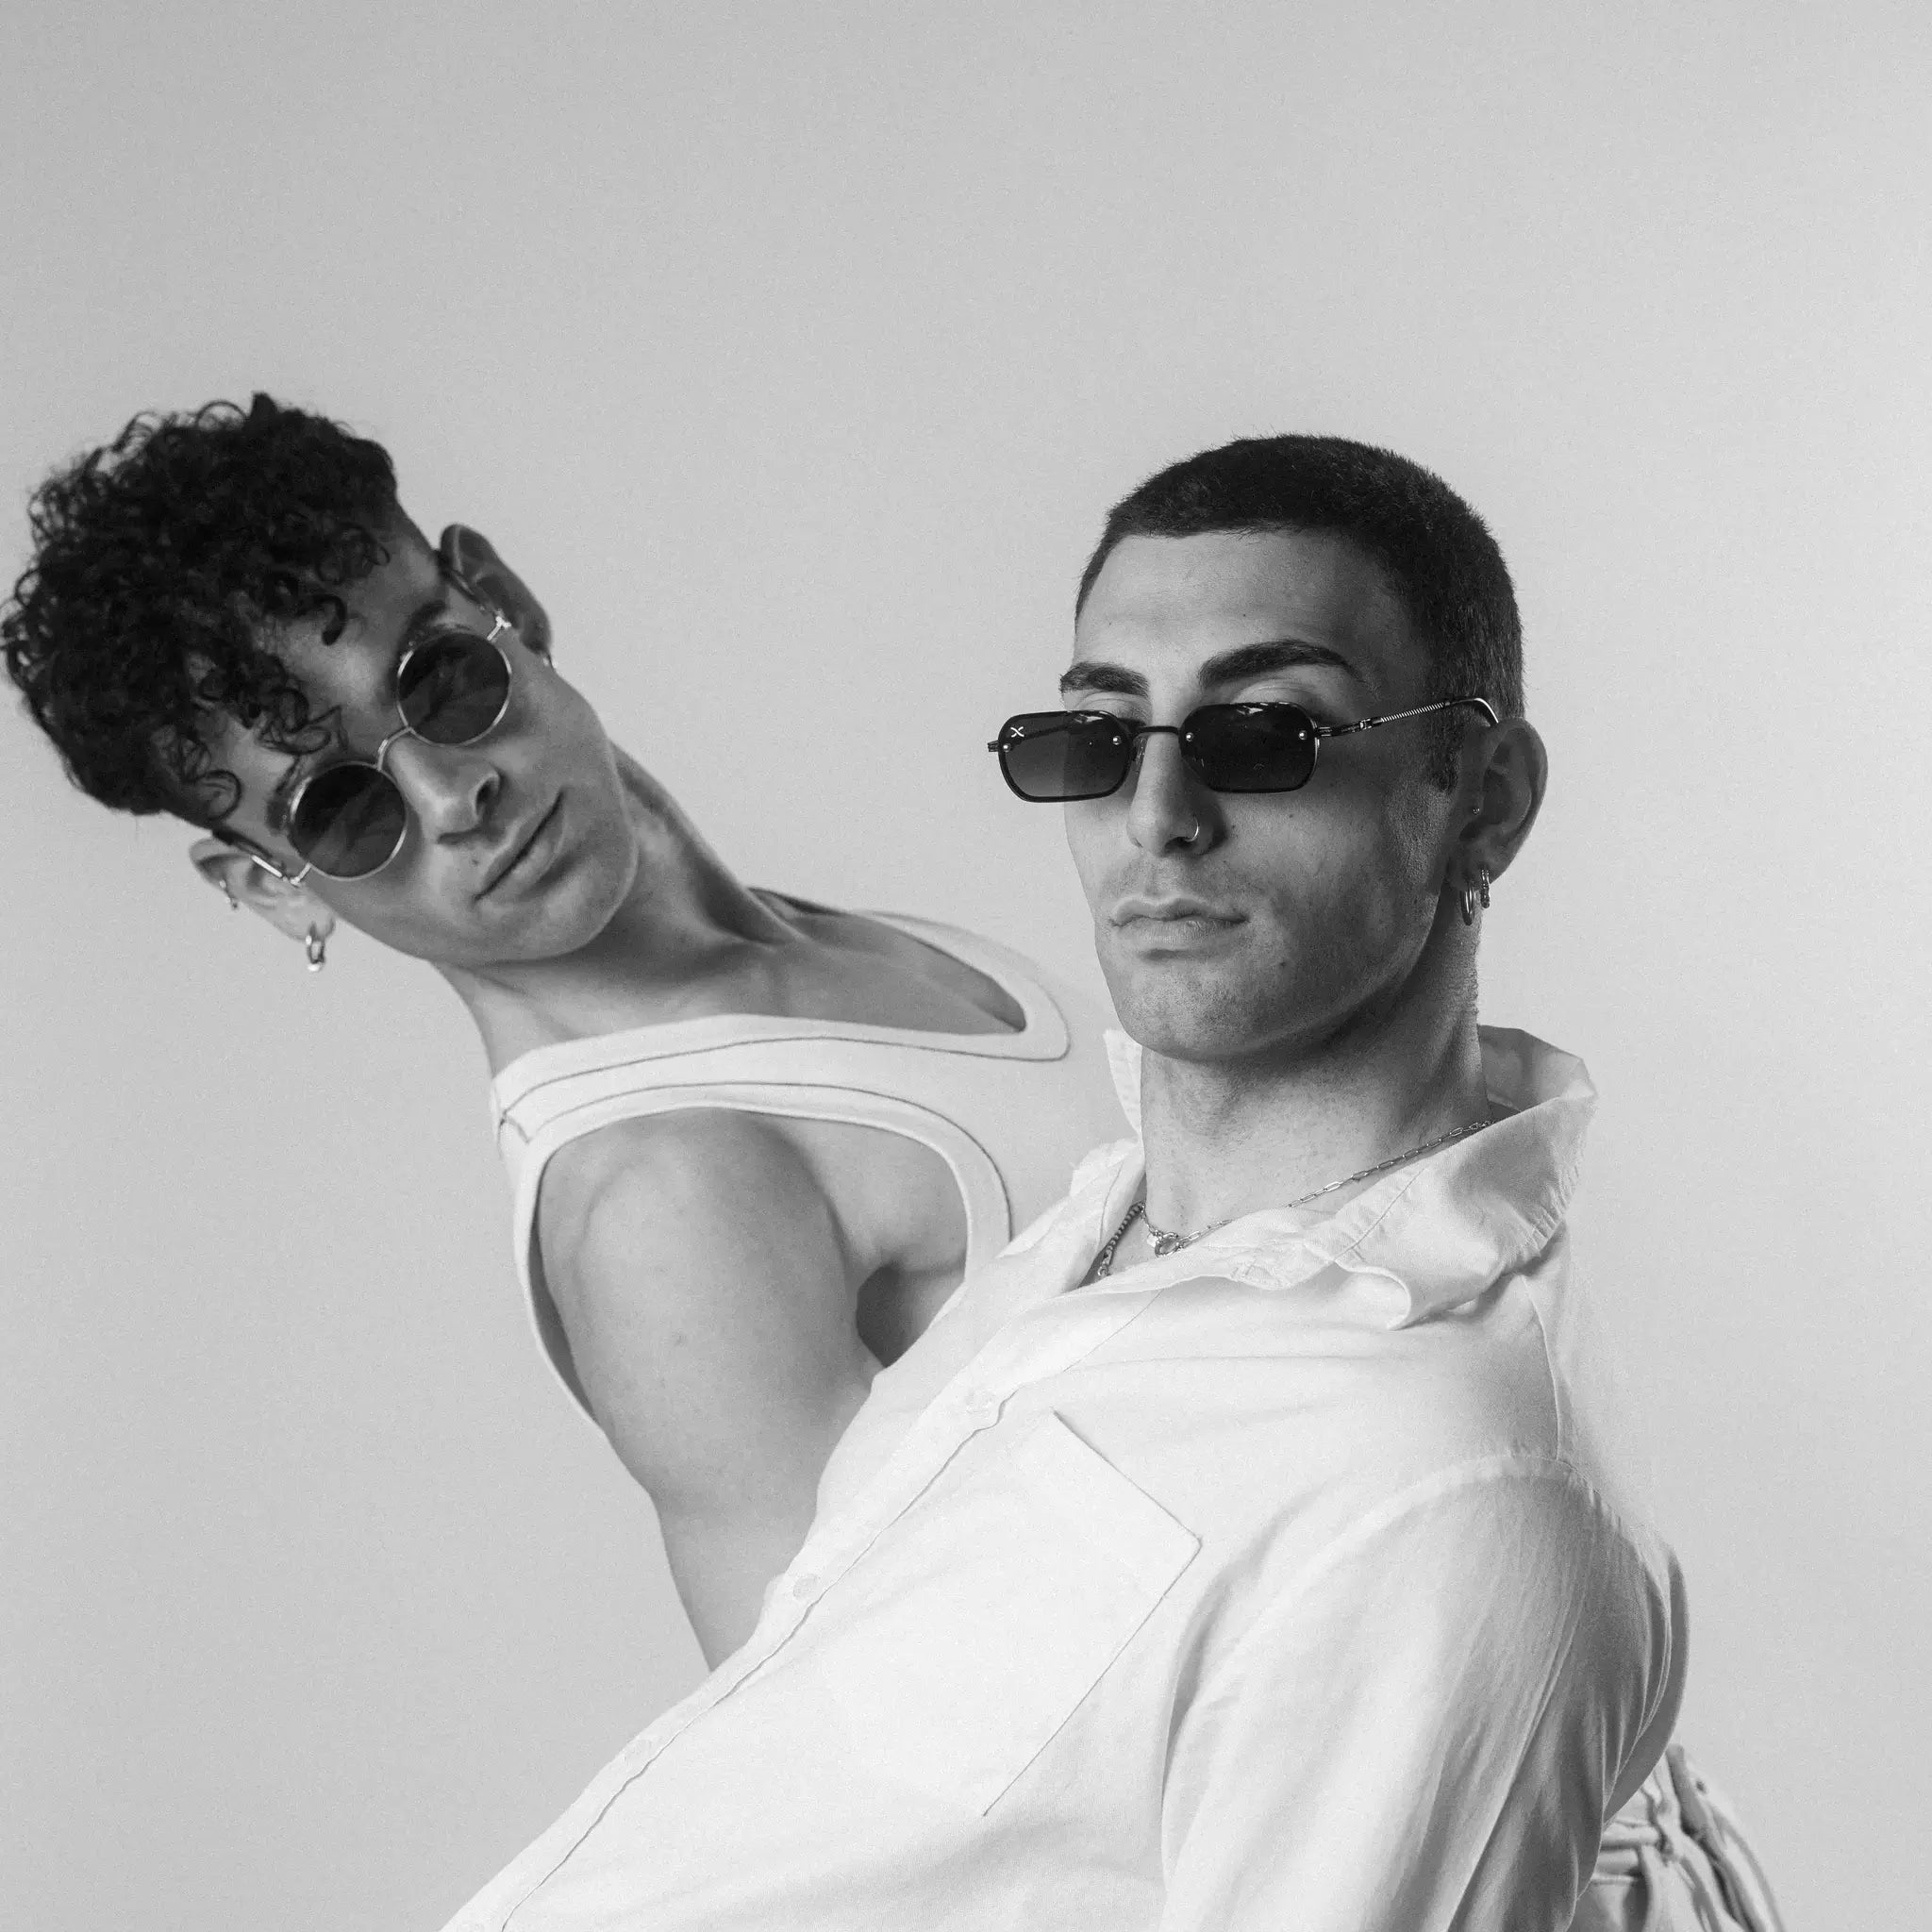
348	820
1048	757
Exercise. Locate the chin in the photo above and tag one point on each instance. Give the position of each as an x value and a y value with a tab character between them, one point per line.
573	916
1191	1013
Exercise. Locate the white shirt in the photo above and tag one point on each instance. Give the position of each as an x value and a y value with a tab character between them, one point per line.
1275	1584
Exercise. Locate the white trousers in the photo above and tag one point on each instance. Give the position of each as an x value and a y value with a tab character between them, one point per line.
1673	1860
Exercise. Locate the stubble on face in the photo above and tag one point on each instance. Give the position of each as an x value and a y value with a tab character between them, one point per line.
1320	902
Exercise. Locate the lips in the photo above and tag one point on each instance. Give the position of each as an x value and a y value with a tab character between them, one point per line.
1167	911
514	855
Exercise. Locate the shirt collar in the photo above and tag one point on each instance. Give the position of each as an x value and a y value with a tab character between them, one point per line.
1438	1232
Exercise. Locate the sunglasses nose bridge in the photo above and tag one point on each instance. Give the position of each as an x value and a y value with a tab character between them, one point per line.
404	730
1186	756
1139	735
1169	796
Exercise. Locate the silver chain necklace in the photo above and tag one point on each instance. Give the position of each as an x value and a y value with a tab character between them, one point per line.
1167	1243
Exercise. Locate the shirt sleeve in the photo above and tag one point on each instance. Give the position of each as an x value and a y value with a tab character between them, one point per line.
1422	1733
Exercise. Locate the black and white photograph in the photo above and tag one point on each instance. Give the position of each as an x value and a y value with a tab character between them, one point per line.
965	967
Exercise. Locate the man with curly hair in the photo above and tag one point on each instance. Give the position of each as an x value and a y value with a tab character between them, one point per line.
1047	1652
770	1135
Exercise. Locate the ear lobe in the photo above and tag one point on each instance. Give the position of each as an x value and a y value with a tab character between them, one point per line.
469	554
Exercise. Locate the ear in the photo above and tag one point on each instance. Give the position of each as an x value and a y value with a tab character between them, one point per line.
1505	775
469	554
291	909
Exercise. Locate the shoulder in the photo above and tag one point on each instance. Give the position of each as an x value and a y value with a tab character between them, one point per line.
1524	1495
696	1150
698	1179
1338	1380
1519	1551
1525	1555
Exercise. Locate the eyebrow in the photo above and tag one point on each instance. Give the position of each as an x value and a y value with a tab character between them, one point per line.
422	621
1228	667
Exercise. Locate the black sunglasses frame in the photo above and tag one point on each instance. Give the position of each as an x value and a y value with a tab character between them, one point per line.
1132	731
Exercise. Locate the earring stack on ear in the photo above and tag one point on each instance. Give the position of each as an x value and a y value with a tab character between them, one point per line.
228	893
1477	895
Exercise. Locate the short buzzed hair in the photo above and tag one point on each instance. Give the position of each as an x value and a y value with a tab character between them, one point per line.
1435	552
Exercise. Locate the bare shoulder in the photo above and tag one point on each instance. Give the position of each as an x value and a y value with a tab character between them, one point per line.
695	1185
698	1270
700	1276
806	1238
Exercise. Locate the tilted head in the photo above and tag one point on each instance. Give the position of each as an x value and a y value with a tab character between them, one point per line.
1321	574
214	612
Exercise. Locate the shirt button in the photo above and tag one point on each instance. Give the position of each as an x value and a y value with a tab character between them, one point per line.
804	1588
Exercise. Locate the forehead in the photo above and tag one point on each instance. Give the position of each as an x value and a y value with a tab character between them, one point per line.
1180	600
349	675
376	607
342	658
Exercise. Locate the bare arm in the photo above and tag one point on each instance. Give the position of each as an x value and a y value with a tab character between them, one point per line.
704	1283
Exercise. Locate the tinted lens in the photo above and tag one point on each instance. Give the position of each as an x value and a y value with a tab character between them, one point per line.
453	689
1055	755
1251	747
348	821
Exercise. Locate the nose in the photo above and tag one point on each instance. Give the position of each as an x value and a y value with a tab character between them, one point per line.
1171	808
451	790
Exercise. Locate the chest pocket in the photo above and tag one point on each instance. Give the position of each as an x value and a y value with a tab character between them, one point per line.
950	1655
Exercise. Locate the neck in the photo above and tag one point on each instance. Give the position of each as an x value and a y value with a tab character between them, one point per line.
1229	1138
684	918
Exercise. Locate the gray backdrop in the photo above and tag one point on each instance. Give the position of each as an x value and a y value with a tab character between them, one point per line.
795	353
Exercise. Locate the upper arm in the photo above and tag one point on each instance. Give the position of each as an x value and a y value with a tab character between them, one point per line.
701	1276
1424	1731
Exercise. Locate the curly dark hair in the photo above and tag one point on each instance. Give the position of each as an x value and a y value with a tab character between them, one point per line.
163	565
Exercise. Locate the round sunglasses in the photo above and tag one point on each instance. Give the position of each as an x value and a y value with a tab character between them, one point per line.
1048	757
348	820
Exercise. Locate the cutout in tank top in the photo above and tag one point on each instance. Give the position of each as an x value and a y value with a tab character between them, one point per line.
1009	1112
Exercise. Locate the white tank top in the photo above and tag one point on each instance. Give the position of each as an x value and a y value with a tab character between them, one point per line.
1010	1113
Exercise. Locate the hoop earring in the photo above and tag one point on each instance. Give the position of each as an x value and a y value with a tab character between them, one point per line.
1469	905
315	945
1482	886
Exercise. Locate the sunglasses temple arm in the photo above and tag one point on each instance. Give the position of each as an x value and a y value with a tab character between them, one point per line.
1396	717
260	860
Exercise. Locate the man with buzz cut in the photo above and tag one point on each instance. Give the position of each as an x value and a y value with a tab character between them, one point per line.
1236	1550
